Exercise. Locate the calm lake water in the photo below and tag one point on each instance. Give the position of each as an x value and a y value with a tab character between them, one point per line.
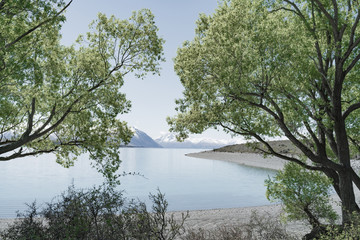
188	183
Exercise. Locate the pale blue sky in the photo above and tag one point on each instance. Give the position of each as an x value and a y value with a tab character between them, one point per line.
153	99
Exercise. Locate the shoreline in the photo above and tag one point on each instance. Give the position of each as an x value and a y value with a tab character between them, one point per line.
211	219
247	159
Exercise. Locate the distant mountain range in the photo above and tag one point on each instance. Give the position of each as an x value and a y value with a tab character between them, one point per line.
169	141
141	139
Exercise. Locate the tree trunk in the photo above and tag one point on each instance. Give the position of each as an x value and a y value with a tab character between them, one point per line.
347	196
314	222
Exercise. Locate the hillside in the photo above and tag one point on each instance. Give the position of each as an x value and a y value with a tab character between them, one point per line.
282	146
141	139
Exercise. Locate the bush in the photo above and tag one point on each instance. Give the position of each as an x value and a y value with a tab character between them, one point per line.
97	213
348	232
258	228
305	194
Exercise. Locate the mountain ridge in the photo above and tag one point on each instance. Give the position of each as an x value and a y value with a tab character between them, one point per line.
169	140
141	139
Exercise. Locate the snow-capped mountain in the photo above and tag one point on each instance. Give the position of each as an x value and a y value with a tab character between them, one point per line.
141	139
168	140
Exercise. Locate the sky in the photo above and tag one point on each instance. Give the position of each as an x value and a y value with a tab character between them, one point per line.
153	99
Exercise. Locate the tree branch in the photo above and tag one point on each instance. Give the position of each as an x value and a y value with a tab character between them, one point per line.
286	9
353	63
52	114
2	4
20	154
36	27
327	14
30	120
355	178
352	108
352	43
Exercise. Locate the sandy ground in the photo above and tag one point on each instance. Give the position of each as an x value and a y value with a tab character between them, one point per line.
248	159
212	219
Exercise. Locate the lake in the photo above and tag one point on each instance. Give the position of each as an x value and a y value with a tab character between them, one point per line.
188	183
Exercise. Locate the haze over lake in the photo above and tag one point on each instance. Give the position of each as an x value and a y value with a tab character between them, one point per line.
188	183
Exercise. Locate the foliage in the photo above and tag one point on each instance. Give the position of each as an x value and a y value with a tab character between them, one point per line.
269	68
97	213
348	232
67	99
305	194
259	227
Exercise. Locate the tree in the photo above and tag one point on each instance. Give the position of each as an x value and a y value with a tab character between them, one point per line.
305	194
265	69
67	100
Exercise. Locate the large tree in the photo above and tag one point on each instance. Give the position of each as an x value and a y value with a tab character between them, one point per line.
274	68
67	100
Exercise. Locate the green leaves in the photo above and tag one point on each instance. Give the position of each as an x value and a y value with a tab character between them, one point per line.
234	63
77	89
271	69
305	194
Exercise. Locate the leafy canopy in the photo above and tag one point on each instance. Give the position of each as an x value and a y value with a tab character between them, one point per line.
67	100
239	54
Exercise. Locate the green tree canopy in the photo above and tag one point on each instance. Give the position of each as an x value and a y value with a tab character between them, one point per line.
274	68
67	100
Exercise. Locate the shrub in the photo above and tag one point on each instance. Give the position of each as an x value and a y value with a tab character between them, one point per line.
305	194
97	213
348	232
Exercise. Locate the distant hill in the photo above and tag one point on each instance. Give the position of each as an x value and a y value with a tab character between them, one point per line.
281	146
169	141
141	139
